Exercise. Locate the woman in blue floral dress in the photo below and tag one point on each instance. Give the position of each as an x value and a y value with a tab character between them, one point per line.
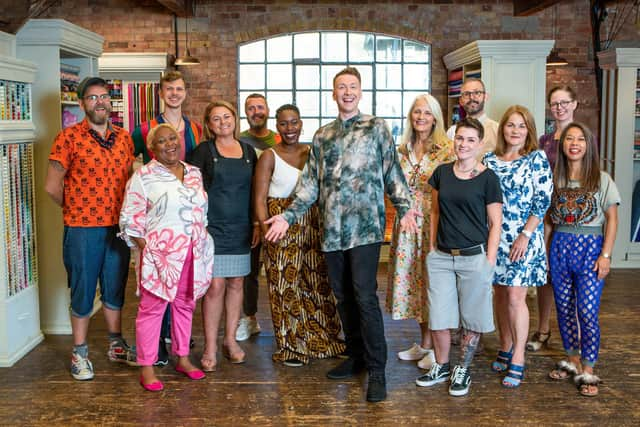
527	184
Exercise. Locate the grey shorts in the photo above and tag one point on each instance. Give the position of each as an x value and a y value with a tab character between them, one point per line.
460	292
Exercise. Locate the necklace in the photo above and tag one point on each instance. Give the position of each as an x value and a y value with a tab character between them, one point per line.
169	121
472	171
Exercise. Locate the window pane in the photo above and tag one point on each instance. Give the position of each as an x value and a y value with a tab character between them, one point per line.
252	77
279	76
366	103
415	52
328	107
416	76
306	46
388	49
309	127
276	99
361	47
395	127
307	76
328	73
326	121
389	104
279	49
252	52
308	103
334	47
408	98
388	76
366	74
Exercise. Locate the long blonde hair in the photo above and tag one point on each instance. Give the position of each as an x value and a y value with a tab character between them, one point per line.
438	135
207	134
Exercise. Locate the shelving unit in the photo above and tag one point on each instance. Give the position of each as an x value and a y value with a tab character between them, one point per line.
132	72
620	145
19	302
50	43
513	72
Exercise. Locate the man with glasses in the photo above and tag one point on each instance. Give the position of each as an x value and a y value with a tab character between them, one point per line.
173	93
473	96
89	166
259	137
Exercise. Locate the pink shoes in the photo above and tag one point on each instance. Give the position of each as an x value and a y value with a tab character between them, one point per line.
154	386
194	375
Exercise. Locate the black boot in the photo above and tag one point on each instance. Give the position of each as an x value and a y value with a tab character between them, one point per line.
377	388
346	369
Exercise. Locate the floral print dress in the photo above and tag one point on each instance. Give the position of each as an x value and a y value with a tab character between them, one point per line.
408	280
526	185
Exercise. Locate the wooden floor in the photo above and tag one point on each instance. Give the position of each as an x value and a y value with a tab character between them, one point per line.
39	390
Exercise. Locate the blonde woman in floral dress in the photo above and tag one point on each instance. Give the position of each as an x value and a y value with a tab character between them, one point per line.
424	146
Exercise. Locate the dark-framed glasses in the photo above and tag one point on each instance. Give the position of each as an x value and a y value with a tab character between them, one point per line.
473	93
559	104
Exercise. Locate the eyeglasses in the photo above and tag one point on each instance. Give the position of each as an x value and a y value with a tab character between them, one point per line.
94	98
559	104
475	94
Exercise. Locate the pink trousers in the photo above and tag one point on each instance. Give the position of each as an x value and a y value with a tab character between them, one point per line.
151	310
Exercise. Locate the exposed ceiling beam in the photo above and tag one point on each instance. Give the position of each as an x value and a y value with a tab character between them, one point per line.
16	13
529	7
182	8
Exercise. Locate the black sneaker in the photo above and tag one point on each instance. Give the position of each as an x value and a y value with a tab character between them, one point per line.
377	388
346	369
163	355
460	381
294	363
437	374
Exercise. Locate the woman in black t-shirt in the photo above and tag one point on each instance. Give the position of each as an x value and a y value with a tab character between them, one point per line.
466	215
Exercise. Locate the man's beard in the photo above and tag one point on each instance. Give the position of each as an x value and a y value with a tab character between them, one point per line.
258	122
97	119
473	107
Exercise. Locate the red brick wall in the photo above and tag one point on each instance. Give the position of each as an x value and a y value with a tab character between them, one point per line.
219	26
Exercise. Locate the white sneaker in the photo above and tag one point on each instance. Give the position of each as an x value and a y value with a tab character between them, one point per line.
414	353
81	367
428	360
247	327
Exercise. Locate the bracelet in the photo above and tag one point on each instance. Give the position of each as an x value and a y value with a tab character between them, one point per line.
605	255
527	233
255	223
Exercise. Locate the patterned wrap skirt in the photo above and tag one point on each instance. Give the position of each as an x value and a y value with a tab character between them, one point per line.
303	308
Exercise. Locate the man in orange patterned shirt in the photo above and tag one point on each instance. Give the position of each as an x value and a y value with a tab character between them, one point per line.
89	165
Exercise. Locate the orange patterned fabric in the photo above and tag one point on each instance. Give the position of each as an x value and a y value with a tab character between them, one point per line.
96	176
303	308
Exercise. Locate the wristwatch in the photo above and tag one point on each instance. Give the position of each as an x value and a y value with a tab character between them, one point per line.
527	233
605	255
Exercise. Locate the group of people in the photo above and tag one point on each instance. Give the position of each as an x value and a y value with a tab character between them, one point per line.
476	206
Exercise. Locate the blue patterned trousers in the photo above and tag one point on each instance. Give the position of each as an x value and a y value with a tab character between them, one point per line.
577	292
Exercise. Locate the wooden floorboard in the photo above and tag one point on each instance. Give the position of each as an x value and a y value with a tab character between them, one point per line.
39	390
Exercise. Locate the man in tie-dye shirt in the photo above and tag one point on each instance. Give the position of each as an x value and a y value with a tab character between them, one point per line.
351	166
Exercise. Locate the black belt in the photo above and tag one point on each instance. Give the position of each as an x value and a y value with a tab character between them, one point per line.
473	250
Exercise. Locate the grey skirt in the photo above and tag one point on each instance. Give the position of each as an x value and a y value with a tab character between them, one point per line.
232	265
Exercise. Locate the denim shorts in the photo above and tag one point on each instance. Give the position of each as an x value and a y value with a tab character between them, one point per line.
460	292
91	254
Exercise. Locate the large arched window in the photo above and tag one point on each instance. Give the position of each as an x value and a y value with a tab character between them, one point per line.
299	68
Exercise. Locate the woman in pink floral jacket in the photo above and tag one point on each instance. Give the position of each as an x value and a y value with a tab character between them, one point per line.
164	216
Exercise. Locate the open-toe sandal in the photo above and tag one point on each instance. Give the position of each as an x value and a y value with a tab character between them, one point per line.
538	341
587	384
208	363
563	370
502	361
515	375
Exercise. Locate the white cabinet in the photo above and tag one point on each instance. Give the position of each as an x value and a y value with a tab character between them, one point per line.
513	72
620	144
48	43
19	302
